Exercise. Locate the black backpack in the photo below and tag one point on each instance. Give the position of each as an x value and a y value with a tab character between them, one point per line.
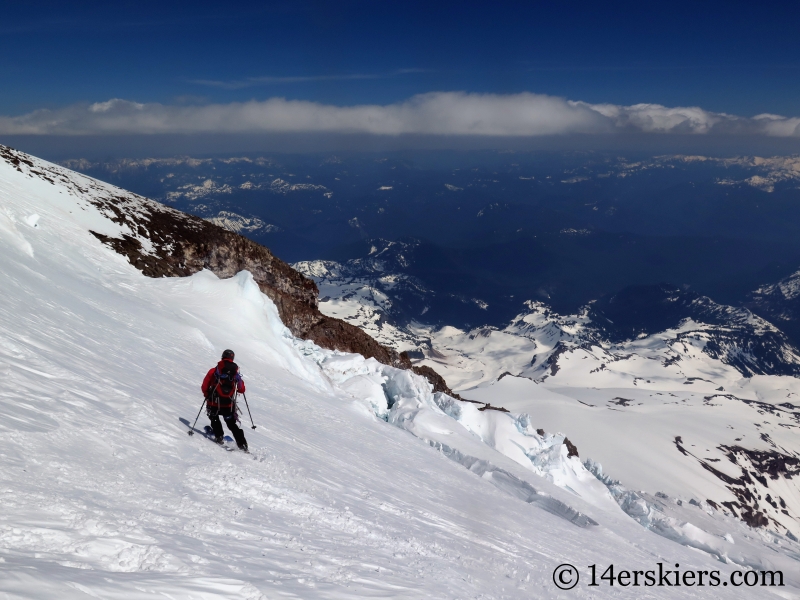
226	379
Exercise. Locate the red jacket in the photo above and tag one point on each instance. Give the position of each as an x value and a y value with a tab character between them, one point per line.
209	379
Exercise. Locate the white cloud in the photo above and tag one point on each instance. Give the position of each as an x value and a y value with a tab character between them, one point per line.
654	118
437	113
778	126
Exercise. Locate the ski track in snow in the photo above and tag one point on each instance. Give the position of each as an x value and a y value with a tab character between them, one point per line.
105	496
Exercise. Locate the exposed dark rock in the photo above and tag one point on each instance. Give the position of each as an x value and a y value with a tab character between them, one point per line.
490	407
572	450
184	245
621	401
767	462
552	360
438	382
779	303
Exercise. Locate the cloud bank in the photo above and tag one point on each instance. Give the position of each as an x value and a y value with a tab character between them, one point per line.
434	114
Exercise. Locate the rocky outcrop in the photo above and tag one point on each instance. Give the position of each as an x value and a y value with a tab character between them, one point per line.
164	242
438	382
169	243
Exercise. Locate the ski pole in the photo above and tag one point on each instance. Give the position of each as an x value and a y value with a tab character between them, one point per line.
191	431
248	411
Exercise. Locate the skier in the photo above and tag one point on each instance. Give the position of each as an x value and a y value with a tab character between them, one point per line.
219	388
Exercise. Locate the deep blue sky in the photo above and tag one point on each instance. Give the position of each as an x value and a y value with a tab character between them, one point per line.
736	57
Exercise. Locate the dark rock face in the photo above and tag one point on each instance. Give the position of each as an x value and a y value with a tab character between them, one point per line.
164	242
572	449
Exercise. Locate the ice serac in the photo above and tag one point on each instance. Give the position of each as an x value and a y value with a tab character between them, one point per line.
164	242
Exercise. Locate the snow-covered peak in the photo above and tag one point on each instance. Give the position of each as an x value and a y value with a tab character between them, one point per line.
763	173
539	317
788	287
320	269
240	224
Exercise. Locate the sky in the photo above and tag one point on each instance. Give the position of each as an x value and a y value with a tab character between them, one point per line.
383	68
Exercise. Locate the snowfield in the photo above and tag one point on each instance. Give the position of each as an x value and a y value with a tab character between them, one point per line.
361	482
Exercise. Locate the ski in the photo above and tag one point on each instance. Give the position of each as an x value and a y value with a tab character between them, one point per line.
208	432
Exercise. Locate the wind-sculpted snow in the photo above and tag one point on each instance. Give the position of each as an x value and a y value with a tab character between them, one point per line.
395	396
516	487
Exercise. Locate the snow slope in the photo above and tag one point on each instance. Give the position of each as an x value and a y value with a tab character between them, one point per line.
356	486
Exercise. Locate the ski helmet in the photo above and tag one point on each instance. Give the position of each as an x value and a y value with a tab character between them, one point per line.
228	354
